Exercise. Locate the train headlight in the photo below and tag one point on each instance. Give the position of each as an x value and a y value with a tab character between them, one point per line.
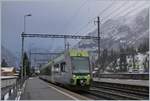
88	75
74	76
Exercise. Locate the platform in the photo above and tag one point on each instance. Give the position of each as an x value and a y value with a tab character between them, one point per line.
124	81
36	89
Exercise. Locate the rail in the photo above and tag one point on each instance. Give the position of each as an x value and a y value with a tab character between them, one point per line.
133	76
114	91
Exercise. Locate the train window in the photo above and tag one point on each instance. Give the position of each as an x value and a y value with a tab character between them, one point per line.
62	66
56	68
50	69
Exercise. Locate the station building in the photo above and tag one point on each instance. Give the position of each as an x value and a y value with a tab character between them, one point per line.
8	71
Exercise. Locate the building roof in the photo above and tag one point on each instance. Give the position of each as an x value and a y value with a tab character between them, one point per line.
7	69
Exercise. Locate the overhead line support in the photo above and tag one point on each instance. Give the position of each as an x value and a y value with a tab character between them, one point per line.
59	36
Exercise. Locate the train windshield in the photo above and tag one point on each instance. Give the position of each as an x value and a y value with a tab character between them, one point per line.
80	64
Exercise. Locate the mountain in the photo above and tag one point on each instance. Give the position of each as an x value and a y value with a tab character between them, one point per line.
8	56
128	30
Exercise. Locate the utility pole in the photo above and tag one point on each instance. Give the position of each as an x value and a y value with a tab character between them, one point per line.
24	32
30	59
98	25
22	49
65	43
98	30
68	46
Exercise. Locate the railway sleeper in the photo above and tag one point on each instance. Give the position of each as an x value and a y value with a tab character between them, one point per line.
125	90
123	86
114	95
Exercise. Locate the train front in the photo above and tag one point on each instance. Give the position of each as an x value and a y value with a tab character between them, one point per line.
81	76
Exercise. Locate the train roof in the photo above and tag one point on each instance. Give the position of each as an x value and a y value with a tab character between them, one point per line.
71	52
81	53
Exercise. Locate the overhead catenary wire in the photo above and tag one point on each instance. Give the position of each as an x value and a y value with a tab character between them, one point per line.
103	11
120	11
70	19
91	20
129	12
107	17
116	9
75	14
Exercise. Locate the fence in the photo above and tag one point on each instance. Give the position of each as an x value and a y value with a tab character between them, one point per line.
10	85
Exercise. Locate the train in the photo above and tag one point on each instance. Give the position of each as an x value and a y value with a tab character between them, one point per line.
71	69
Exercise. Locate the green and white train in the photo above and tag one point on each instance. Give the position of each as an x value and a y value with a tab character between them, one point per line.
71	69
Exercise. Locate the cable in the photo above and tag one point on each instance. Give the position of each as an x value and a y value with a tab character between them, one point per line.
120	12
75	14
91	20
122	5
128	12
103	11
130	6
111	13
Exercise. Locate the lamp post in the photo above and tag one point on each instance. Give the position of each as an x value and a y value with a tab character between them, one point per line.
27	15
24	32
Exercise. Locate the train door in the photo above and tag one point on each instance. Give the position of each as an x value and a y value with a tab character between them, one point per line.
52	73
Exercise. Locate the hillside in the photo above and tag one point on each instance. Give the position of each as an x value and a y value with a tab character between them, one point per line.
8	56
128	30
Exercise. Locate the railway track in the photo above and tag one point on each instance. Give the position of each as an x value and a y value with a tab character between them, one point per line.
137	88
114	95
110	91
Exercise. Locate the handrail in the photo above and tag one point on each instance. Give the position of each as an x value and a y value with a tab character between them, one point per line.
8	77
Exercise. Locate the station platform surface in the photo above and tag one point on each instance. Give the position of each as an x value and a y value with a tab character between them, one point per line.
37	89
124	81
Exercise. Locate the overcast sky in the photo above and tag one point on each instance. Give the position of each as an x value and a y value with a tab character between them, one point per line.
57	17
